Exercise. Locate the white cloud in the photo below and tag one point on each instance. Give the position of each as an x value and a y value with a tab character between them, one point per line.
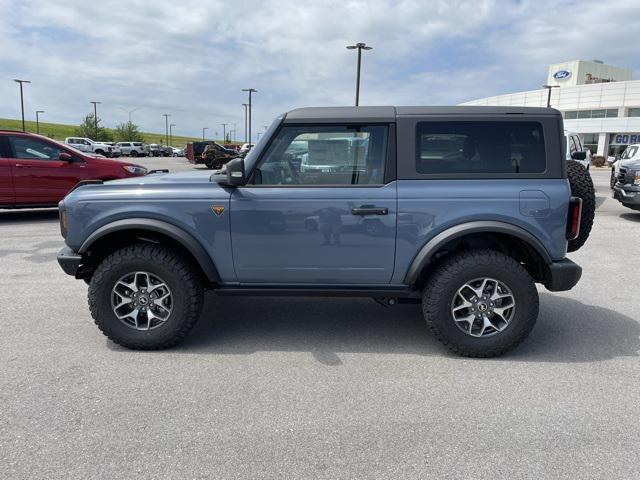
192	58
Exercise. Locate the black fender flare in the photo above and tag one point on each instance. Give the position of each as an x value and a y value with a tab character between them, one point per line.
424	256
172	231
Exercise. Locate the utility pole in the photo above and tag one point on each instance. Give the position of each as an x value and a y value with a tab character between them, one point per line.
235	127
360	46
171	133
38	112
129	112
95	117
22	99
224	132
203	130
549	87
250	90
166	122
245	105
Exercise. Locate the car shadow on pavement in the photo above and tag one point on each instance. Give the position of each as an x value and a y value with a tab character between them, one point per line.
633	217
566	331
19	216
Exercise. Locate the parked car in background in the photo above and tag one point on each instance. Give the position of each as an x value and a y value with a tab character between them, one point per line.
166	151
87	145
626	177
575	149
244	149
232	146
134	149
178	152
195	154
115	150
154	150
36	171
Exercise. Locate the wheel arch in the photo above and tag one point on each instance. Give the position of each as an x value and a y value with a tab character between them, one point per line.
517	242
114	235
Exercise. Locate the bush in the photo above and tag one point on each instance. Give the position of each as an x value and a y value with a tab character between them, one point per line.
598	161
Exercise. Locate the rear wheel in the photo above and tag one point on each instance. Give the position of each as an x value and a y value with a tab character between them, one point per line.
134	153
480	303
145	297
582	186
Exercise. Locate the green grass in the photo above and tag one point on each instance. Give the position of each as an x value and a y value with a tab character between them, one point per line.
59	131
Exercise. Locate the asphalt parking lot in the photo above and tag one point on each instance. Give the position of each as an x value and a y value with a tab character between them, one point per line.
318	388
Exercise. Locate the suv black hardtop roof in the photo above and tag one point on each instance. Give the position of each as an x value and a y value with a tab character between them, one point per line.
389	114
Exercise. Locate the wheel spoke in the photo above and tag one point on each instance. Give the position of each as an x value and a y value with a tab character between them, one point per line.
139	293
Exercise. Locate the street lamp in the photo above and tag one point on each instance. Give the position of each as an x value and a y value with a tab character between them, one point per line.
203	130
549	87
95	117
166	123
250	90
360	46
224	132
171	133
38	112
245	105
22	98
129	112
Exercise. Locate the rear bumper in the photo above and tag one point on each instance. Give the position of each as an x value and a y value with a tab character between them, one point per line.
563	275
69	261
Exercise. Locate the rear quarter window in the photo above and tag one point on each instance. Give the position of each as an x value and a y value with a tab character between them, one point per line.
487	147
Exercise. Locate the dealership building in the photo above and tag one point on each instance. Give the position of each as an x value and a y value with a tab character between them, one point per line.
600	102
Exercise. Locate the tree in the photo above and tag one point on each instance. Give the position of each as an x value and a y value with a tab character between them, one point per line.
128	132
87	129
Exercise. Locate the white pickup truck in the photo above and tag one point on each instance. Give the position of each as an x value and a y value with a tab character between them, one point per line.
89	146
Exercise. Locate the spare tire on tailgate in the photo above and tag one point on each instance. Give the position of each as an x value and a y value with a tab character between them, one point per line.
582	186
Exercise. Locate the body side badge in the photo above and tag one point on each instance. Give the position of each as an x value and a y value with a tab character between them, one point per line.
217	209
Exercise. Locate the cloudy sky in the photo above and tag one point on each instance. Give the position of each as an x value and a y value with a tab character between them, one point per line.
191	58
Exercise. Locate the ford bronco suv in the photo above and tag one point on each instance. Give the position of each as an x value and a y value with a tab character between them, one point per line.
459	209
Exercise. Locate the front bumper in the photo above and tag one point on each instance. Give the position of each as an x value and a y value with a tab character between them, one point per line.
69	261
628	196
563	275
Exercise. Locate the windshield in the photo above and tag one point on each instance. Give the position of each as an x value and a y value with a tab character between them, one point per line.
630	152
254	153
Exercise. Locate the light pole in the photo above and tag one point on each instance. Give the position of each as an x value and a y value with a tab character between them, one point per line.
549	87
203	130
38	112
129	112
224	132
171	133
166	123
360	46
245	105
250	90
95	117
22	99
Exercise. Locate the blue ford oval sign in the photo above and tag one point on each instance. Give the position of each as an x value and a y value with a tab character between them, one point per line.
562	74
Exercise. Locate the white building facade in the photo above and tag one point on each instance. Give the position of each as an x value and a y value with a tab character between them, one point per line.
598	101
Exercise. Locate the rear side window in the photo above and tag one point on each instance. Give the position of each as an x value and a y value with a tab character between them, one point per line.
480	147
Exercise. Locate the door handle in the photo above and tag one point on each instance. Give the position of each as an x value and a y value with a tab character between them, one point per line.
22	165
370	211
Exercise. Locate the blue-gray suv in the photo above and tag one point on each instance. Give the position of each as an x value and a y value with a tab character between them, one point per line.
459	209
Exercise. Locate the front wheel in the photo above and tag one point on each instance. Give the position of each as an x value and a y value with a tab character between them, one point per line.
145	297
480	303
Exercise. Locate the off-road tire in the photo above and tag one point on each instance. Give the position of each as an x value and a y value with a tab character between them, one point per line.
456	270
180	276
582	186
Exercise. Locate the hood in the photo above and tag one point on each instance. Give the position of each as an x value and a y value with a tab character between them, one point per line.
167	178
631	163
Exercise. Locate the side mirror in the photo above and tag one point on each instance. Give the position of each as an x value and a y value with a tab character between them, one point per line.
65	157
232	174
579	155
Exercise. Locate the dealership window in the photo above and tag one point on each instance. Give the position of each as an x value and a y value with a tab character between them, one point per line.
582	114
590	142
634	112
480	147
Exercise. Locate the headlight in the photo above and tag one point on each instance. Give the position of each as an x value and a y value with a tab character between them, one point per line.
135	170
63	219
636	180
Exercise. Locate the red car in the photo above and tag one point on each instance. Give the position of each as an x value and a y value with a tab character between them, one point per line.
36	171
